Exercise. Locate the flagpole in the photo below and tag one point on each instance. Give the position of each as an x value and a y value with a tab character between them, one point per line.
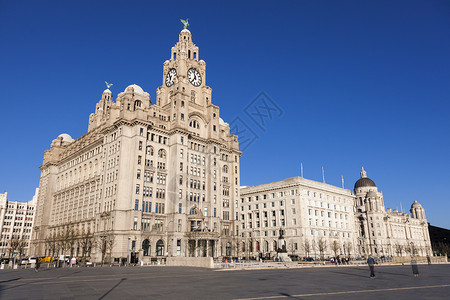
323	175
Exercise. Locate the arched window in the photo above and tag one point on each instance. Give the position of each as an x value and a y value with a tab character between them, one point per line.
149	150
146	247
162	153
225	169
159	248
137	103
266	246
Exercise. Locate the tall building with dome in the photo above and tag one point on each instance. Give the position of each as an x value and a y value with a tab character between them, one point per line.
147	179
388	232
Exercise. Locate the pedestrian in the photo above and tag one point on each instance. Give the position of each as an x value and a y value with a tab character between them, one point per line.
371	263
429	259
37	265
415	268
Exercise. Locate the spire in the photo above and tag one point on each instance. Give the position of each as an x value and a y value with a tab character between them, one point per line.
363	173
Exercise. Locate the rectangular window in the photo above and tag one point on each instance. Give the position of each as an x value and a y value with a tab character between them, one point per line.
137	188
179	208
136	205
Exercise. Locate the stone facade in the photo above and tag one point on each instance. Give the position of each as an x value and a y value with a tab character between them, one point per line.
388	233
16	225
147	179
320	220
315	217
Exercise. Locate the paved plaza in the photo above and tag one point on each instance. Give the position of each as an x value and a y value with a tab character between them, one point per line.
160	282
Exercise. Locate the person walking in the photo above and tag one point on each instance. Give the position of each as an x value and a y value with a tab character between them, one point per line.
37	265
371	263
415	268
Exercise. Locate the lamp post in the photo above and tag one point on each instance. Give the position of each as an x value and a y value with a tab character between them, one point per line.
128	251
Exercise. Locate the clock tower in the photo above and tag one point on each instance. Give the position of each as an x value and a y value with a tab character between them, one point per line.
184	74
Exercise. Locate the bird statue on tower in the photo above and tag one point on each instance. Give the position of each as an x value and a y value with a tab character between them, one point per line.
108	85
185	22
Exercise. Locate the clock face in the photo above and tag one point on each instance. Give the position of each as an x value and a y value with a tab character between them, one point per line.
170	77
194	77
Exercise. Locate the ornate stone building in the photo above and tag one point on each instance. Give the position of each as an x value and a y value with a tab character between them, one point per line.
16	225
388	233
148	179
324	220
316	218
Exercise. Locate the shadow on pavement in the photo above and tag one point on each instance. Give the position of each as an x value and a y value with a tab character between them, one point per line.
289	296
117	284
14	279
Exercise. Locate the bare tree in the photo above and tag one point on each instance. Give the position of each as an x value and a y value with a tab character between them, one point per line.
86	240
51	244
101	245
66	240
407	249
105	243
399	249
306	246
16	243
349	248
322	245
110	243
335	247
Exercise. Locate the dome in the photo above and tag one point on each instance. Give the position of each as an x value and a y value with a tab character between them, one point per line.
65	137
137	89
416	204
185	31
221	121
362	182
107	91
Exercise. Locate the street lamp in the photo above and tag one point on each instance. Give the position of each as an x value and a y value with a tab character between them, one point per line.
128	251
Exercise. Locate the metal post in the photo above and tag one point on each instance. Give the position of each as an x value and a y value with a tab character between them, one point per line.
128	251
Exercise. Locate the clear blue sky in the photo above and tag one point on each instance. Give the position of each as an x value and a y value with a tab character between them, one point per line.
360	83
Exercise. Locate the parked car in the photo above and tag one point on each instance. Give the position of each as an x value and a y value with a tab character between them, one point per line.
32	260
4	260
24	261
